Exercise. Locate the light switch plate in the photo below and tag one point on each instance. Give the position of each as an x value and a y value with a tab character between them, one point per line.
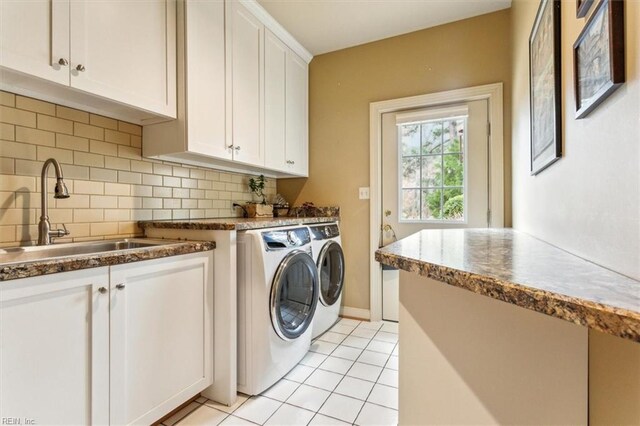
363	193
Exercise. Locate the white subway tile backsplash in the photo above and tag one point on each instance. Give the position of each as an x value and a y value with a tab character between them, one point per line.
111	185
88	131
104	175
129	177
72	114
117	163
53	124
35	136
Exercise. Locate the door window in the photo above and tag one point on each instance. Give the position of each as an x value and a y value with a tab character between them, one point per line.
432	170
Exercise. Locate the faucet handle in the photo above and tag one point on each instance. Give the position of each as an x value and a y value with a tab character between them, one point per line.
59	233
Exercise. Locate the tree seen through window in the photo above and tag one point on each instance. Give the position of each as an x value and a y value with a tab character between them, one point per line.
432	164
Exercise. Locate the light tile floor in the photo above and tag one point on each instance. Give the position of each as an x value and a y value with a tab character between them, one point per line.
349	376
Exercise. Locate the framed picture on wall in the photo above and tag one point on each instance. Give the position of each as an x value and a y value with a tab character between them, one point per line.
598	56
582	7
545	87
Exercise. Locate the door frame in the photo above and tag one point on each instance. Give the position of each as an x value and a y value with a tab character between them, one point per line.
493	94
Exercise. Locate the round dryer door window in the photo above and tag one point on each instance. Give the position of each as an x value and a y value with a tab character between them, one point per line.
294	295
331	271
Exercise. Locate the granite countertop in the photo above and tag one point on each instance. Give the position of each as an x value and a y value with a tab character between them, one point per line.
12	271
517	268
234	223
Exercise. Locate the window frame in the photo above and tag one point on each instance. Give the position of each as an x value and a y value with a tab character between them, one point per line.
465	180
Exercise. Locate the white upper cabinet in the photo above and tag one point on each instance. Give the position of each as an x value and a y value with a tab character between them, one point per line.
34	38
204	68
245	38
285	108
118	56
242	93
275	80
297	115
119	50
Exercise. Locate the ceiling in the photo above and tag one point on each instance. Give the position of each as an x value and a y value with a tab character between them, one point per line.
326	25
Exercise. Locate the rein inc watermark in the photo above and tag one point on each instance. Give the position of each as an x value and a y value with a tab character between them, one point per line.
17	421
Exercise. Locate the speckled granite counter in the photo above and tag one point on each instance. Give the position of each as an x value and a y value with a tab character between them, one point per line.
519	269
11	271
234	223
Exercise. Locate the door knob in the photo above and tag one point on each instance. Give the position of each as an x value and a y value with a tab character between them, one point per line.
80	68
63	62
120	286
102	290
237	148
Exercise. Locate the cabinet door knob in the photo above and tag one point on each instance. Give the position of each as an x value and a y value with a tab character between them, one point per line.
102	290
229	146
80	68
120	286
63	62
237	148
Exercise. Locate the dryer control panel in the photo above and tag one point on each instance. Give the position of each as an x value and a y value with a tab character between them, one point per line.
324	232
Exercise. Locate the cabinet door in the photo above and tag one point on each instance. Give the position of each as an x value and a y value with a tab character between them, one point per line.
297	133
126	51
204	55
54	347
275	64
245	36
34	37
161	335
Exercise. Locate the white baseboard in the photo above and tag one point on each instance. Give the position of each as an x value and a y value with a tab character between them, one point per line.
348	311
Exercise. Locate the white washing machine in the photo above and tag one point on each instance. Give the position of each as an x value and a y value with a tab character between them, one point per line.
327	249
278	291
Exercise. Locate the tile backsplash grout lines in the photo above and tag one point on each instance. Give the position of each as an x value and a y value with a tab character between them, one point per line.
111	185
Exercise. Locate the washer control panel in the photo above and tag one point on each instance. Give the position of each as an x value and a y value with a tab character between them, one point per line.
286	238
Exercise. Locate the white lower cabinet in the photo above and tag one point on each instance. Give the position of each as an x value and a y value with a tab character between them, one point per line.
119	345
161	336
54	348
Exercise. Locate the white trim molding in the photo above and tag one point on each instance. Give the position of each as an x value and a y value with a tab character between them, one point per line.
358	313
493	93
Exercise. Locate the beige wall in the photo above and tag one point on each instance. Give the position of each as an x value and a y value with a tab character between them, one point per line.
111	185
342	84
588	202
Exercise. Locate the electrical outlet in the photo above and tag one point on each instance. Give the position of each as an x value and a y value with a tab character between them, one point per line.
363	193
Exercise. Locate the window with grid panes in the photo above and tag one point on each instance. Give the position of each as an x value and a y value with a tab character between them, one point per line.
432	170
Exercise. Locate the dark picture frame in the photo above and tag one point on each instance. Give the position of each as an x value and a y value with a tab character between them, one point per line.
598	57
582	7
545	87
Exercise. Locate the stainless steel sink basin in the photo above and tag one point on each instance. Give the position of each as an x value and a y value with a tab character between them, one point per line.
37	253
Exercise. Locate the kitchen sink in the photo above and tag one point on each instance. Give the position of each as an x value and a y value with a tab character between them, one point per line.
38	253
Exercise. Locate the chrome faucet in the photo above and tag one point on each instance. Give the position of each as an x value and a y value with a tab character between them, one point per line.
45	234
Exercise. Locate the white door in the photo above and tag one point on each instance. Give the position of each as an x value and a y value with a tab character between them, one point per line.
54	348
435	167
245	37
205	68
126	51
296	114
161	335
34	38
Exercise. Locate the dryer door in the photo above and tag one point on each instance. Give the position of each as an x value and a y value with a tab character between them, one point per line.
294	295
331	271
